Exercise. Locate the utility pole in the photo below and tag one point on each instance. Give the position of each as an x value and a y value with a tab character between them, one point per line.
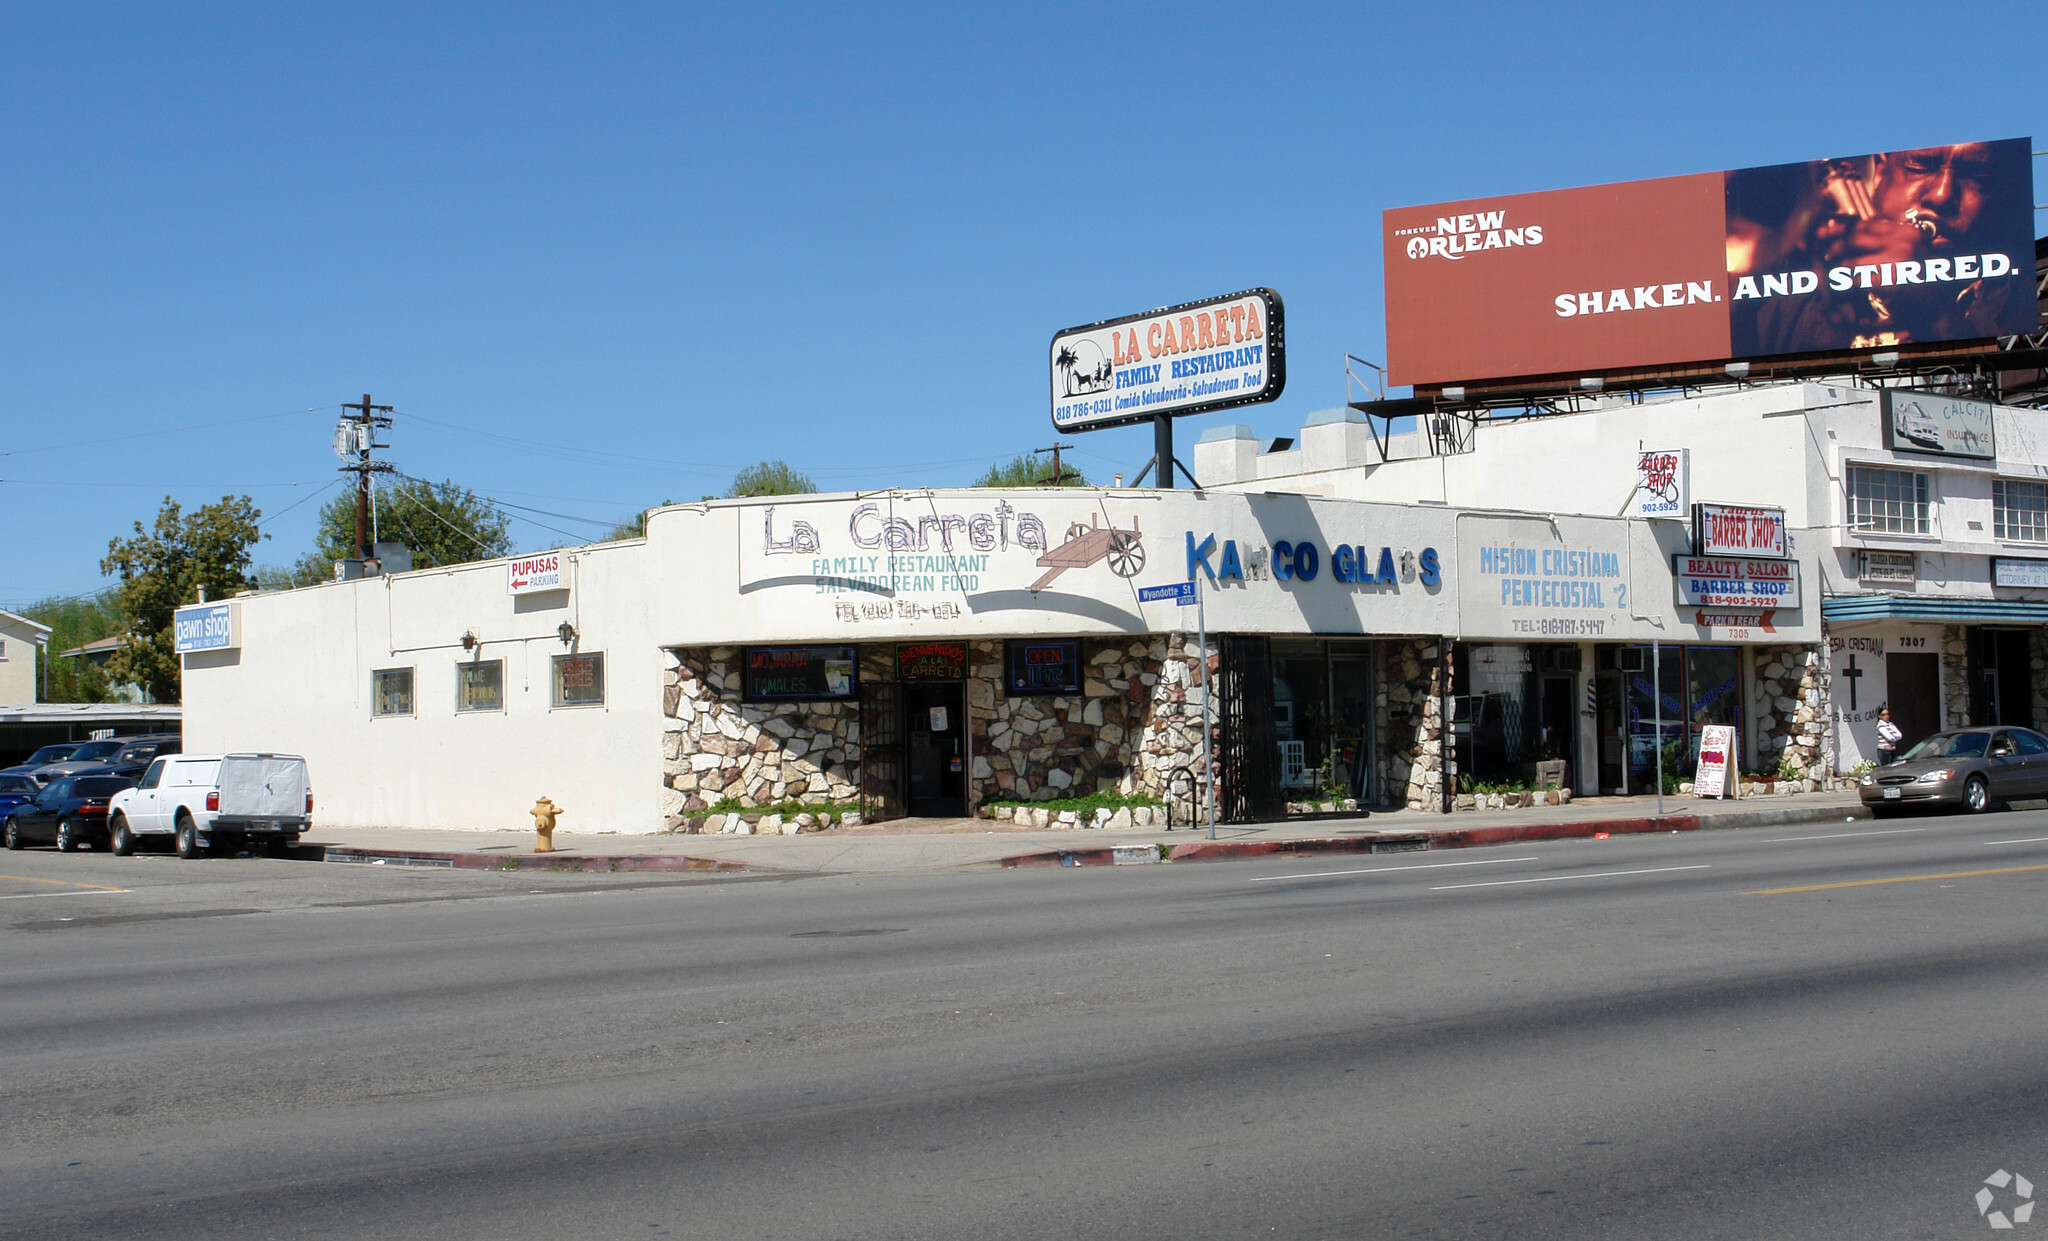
354	440
1059	475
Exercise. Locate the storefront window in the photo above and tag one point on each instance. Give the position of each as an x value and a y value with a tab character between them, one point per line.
1699	685
480	686
391	691
1322	717
579	680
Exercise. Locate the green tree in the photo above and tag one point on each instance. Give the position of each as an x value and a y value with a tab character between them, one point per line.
440	523
636	528
165	568
74	622
1029	470
771	478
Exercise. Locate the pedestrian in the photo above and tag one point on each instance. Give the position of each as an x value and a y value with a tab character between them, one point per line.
1888	737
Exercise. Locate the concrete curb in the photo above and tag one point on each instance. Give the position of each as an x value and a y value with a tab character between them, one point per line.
586	863
1449	838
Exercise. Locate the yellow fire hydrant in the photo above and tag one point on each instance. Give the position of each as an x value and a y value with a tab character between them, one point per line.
544	812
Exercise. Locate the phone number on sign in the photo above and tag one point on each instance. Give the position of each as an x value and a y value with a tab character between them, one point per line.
1561	626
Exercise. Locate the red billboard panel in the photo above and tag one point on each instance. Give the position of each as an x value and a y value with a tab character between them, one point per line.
1867	252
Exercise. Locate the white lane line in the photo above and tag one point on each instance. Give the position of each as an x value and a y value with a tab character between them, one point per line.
1605	874
1385	870
2031	840
1896	831
28	896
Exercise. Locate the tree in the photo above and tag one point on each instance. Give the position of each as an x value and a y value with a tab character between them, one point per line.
439	523
163	569
1028	470
636	528
771	478
74	622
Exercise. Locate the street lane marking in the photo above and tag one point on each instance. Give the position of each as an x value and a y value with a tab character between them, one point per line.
1896	831
62	882
1605	874
1386	870
1864	883
2031	840
97	891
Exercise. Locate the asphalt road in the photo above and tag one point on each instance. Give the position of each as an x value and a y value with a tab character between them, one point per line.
1833	1031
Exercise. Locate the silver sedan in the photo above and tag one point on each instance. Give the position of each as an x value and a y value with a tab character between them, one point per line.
1970	767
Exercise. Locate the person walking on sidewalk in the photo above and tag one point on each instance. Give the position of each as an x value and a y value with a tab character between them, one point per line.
1888	736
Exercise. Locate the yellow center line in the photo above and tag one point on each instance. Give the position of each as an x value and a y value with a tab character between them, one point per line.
97	887
1864	883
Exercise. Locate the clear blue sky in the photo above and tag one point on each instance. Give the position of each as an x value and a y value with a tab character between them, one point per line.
601	255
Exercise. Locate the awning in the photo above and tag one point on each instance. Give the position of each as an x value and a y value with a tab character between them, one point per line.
1875	607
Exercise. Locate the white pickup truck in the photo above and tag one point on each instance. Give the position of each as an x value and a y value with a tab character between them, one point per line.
205	800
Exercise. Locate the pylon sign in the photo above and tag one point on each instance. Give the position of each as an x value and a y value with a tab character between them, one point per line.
1186	359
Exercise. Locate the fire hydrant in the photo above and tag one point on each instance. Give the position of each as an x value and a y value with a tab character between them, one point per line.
544	812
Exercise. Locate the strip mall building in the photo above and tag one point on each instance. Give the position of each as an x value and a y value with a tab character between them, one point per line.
924	652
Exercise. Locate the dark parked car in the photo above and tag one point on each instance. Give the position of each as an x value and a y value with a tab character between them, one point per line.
1970	767
88	754
141	751
41	758
70	811
14	790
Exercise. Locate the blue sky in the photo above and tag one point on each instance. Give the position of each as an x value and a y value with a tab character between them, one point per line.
602	255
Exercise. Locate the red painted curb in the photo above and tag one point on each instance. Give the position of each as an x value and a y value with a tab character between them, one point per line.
538	861
1216	851
1466	838
1061	857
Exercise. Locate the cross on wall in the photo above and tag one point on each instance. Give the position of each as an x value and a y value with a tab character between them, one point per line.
1854	674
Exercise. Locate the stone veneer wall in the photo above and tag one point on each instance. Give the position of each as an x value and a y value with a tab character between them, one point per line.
1407	703
1955	678
1789	710
1133	728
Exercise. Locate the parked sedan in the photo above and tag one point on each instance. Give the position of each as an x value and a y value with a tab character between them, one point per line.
70	811
41	758
89	754
1970	767
14	790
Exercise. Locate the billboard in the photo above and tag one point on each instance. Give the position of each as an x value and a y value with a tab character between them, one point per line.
1185	359
1945	426
1872	251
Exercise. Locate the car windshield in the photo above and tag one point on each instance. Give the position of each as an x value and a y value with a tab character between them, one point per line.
17	784
96	751
1950	745
50	754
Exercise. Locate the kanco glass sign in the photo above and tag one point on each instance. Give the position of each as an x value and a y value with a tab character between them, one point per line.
1187	359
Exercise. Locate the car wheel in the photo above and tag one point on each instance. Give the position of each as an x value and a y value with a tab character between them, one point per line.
67	840
1976	795
13	834
123	841
188	839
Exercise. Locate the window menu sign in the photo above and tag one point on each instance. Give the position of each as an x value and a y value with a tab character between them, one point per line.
1942	426
1042	666
932	661
786	673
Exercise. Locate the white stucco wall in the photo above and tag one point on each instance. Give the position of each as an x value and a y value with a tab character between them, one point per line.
18	658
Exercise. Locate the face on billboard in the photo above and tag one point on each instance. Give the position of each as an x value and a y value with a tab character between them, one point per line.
1904	247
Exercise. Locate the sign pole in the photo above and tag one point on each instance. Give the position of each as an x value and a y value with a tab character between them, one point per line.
1162	450
1208	693
1657	716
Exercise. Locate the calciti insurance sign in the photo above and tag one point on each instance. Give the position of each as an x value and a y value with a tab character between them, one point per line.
204	627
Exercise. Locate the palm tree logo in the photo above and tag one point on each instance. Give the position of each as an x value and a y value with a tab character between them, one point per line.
1083	368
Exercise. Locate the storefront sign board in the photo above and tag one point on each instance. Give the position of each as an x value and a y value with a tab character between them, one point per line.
1739	530
1736	582
1717	754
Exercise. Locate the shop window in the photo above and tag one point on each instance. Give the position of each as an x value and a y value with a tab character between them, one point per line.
391	691
480	686
1888	501
2019	510
579	680
1041	666
800	673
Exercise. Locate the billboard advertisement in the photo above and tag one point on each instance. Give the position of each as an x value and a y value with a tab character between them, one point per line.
1945	426
1186	359
1871	251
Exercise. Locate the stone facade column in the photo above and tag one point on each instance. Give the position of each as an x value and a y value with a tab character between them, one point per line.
1955	677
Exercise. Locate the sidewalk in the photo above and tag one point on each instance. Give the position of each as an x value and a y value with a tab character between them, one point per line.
925	846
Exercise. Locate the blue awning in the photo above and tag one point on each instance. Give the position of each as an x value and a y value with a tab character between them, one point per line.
1874	607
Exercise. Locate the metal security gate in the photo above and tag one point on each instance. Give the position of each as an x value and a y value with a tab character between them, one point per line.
1248	751
884	772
